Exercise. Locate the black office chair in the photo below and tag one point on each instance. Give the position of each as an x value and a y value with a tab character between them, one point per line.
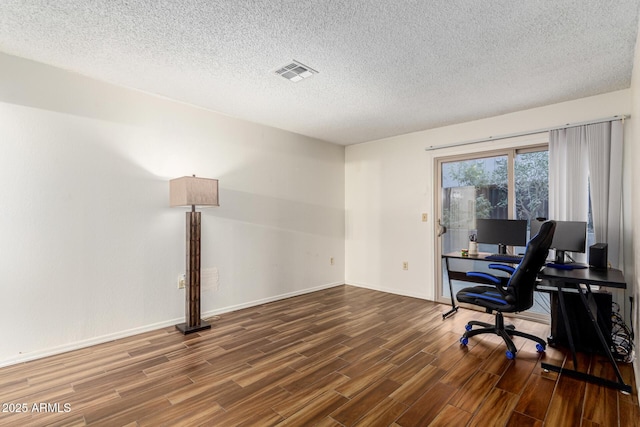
509	294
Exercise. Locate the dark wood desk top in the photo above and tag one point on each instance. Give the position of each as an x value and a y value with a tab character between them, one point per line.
457	254
611	277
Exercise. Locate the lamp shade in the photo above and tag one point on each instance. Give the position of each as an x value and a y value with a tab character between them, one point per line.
193	191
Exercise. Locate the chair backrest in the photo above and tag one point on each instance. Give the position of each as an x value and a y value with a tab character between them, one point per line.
523	280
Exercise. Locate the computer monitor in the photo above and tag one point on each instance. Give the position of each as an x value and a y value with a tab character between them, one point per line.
570	236
502	232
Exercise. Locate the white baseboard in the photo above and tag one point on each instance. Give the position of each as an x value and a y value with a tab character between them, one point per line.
254	303
52	351
390	290
26	357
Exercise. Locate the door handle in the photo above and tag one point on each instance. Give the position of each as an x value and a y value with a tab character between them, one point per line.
441	228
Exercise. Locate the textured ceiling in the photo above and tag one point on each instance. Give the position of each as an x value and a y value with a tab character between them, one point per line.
385	67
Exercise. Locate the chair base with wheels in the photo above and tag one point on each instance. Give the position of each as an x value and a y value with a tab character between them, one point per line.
502	330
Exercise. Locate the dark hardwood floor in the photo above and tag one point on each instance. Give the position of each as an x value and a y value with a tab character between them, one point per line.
339	357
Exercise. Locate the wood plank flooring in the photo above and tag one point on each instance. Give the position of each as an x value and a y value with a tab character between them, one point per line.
344	356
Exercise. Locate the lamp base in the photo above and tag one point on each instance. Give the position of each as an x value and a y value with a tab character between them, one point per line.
186	330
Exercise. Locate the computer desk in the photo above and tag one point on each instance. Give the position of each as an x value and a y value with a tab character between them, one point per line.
560	281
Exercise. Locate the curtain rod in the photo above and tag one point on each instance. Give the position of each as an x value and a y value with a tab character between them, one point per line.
531	132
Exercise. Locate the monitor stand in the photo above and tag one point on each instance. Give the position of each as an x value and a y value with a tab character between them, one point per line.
559	257
502	249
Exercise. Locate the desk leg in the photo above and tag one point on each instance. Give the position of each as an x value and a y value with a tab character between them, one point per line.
603	341
620	385
454	307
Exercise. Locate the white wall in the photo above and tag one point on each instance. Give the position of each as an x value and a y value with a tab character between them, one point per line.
90	250
390	182
634	160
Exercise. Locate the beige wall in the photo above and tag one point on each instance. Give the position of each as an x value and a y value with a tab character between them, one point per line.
90	249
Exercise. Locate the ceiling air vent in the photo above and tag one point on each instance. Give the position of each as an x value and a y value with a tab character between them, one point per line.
296	71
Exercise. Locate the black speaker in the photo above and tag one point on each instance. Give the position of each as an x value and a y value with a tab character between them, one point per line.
598	256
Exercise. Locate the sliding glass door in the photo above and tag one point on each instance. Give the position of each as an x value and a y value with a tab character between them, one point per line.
510	184
475	188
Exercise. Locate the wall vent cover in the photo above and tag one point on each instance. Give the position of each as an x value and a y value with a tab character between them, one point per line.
296	71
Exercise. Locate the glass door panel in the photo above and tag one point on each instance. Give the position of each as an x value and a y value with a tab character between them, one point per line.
476	188
532	185
532	201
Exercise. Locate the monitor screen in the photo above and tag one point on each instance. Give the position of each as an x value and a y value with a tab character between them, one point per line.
510	232
570	236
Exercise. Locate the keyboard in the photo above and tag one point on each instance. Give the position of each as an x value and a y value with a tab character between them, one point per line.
566	266
515	259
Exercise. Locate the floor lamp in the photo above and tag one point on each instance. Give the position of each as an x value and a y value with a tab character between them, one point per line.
191	191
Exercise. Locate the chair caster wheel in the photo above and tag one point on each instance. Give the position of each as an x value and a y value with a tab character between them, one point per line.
464	341
540	348
468	327
510	355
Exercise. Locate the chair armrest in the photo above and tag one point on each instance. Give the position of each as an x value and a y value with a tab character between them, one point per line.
487	276
498	282
503	267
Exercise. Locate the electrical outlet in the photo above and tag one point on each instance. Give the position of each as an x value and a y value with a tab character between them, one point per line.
331	261
182	279
405	265
424	217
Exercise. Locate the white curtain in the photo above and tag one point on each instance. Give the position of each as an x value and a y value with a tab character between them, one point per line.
587	160
604	142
